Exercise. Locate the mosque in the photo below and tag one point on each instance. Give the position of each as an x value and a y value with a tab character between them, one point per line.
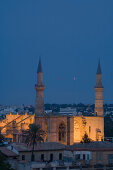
62	128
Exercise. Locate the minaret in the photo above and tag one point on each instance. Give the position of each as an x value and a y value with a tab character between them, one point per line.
39	107
99	92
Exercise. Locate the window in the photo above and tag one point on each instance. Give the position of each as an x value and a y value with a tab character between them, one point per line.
110	158
23	157
42	157
84	156
89	129
60	156
99	156
51	157
14	124
32	157
62	132
60	136
30	121
14	138
77	157
87	157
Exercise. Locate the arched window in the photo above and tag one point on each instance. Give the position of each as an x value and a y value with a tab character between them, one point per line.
89	129
62	132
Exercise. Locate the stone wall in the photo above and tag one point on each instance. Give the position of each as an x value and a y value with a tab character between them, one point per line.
93	126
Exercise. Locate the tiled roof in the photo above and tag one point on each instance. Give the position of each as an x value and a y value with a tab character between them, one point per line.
20	147
7	152
93	146
49	146
40	147
53	146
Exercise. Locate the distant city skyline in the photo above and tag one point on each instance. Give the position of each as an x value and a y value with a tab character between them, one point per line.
70	37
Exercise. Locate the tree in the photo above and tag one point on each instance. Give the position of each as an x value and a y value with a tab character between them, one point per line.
86	139
34	135
108	126
3	164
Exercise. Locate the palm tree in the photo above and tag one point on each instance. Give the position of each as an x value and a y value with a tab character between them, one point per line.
34	135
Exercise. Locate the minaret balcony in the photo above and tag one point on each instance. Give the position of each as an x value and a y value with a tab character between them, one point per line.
98	88
41	87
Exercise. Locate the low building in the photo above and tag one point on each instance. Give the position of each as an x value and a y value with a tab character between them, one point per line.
10	156
94	153
52	156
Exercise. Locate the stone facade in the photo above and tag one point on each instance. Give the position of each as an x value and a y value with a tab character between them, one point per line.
58	127
62	129
70	129
99	93
39	105
14	125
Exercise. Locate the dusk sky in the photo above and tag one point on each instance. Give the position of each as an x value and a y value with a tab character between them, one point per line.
70	35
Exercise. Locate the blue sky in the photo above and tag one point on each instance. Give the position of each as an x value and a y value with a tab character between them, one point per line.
70	35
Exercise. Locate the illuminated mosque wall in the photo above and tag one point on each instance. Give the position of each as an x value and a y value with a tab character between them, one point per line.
14	125
58	128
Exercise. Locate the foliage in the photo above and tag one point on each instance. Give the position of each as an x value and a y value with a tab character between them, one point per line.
108	126
86	139
3	164
34	135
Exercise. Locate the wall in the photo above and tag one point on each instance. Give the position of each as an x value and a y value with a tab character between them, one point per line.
38	155
90	125
53	123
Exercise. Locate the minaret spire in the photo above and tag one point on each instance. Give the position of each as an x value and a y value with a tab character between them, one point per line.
39	70
99	76
39	107
99	68
99	92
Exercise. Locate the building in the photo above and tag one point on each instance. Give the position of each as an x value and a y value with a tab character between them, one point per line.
69	129
15	124
9	156
56	156
61	128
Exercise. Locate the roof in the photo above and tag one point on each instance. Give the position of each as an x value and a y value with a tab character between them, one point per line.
50	146
93	146
53	146
39	70
20	147
40	147
7	152
58	114
99	69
